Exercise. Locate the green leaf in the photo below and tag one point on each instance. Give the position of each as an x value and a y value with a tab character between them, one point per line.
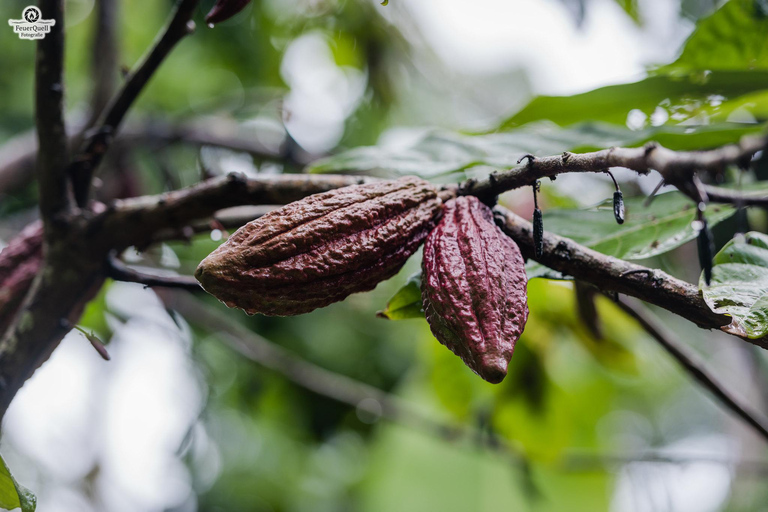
681	98
647	231
447	155
12	494
406	303
739	286
733	38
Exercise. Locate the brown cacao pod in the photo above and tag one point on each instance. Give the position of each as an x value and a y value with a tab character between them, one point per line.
316	251
474	288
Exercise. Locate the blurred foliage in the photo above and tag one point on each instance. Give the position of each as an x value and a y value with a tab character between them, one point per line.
263	443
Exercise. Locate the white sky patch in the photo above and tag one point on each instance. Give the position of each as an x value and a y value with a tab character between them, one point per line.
490	36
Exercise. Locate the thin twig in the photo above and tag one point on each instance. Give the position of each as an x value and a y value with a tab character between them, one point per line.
96	145
119	271
694	366
736	197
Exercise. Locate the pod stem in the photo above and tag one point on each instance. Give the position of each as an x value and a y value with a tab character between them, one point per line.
538	223
618	200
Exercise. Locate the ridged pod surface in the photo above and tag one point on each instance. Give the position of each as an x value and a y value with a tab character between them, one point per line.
474	288
316	251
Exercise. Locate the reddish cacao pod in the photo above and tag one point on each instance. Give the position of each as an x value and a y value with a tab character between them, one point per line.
20	262
316	251
474	288
225	9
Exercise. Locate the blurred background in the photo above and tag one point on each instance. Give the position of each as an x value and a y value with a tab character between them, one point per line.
203	408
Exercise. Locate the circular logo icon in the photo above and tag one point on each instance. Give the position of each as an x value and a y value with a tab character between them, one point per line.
31	14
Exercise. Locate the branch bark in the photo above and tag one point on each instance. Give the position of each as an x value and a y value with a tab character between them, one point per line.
53	156
676	167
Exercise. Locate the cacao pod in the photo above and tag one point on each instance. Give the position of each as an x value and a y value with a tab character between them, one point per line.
20	262
316	251
474	288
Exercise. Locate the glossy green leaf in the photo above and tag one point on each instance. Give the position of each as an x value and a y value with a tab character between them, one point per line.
406	303
447	155
12	494
733	38
697	98
739	286
647	231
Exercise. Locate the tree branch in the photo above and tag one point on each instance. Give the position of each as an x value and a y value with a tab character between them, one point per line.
98	142
694	366
119	271
676	167
104	56
53	156
615	275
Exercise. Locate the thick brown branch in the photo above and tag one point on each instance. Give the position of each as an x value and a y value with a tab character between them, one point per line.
98	142
676	167
68	280
53	157
614	275
693	365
